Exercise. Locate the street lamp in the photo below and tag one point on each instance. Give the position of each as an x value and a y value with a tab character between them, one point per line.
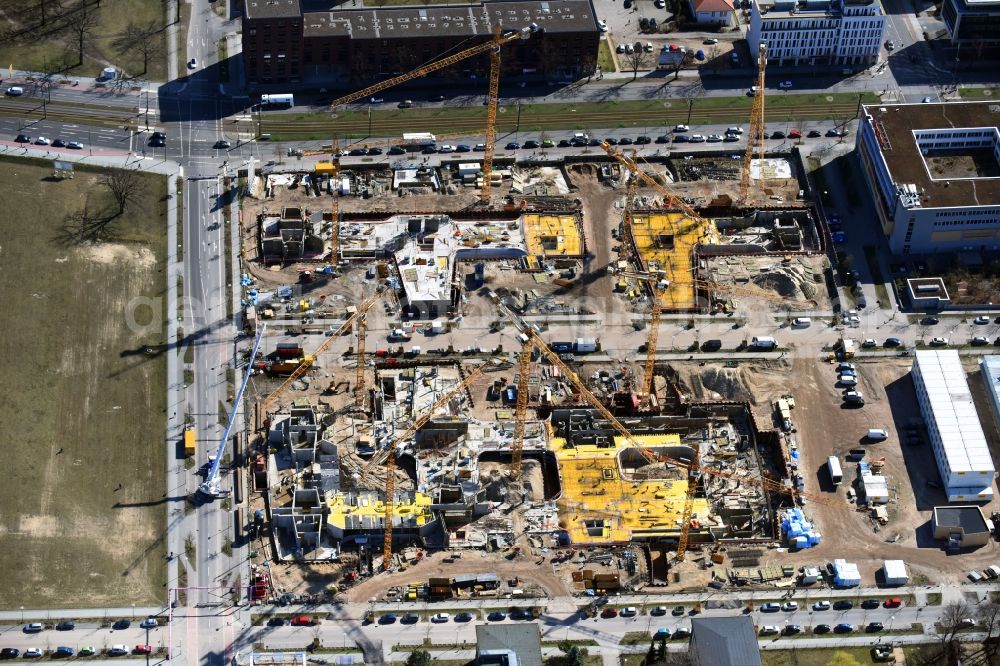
133	612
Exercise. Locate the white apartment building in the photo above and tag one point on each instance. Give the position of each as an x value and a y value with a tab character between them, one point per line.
817	32
934	174
957	437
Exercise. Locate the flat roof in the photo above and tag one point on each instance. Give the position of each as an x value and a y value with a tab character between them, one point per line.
725	641
473	19
962	438
258	9
524	640
969	518
906	164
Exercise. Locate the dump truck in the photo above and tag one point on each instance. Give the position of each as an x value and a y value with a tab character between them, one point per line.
189	442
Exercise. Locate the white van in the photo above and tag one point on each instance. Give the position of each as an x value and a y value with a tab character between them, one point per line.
801	322
734	130
877	434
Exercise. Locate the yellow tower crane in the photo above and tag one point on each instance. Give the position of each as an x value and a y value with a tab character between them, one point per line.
521	411
387	455
308	361
693	467
493	48
755	139
359	372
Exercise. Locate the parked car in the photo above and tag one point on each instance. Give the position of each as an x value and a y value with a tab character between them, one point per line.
463	617
58	143
143	649
9	653
790	606
682	138
66	625
982	319
302	621
32	653
714	138
682	632
410	618
979	341
624	141
697	138
221	144
642	140
938	341
843	628
396	150
609	613
87	651
873	627
33	627
770	630
784	85
496	616
814	133
777	134
439	618
118	650
388	618
792	629
548	143
42	141
821	606
681	128
821	629
869	604
149	623
531	143
125	624
629	611
843	604
929	321
795	134
463	148
658	611
64	651
15	91
677	611
75	145
565	143
373	151
893	602
770	607
892	342
22	138
513	145
869	343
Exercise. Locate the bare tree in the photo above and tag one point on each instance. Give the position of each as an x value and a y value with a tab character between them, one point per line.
947	629
142	40
81	25
988	614
125	187
636	60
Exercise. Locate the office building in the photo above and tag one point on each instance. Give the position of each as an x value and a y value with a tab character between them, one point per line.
956	435
810	33
934	173
972	22
288	41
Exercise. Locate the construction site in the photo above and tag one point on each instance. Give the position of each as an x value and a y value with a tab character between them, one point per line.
447	368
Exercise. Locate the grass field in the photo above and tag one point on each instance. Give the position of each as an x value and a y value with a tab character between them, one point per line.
604	57
47	48
973	94
842	656
83	509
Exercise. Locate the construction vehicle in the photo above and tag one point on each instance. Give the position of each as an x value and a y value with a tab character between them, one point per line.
210	486
387	454
757	135
493	48
189	442
308	361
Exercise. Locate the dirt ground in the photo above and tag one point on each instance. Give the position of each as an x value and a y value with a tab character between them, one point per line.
82	506
472	562
825	428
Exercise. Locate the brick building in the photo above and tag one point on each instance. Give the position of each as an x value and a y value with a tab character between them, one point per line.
287	41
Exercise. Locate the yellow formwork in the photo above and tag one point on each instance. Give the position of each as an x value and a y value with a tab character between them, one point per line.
373	507
552	235
665	241
598	506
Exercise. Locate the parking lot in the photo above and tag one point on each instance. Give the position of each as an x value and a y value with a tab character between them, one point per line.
629	24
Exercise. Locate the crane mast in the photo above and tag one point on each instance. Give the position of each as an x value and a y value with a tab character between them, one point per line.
756	137
210	486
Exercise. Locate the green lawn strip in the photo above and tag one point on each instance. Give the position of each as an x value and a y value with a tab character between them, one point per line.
537	117
973	94
223	60
605	59
636	638
816	656
184	9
